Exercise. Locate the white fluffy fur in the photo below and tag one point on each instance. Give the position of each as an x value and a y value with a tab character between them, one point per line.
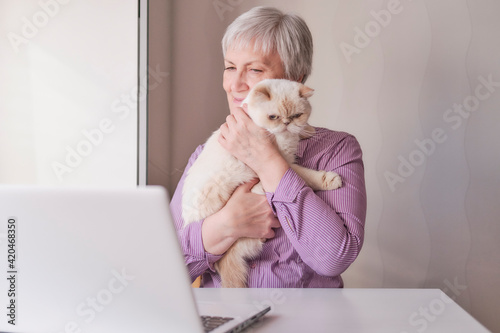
214	176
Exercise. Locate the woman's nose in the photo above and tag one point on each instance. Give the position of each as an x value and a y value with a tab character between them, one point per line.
239	82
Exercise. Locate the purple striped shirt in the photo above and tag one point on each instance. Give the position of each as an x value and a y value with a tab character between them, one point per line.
322	232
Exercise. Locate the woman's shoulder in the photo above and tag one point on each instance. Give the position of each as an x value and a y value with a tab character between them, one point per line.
331	147
195	154
328	137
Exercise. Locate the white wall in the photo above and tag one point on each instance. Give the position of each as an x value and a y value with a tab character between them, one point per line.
433	219
68	92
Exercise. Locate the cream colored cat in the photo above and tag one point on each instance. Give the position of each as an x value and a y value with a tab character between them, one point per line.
281	107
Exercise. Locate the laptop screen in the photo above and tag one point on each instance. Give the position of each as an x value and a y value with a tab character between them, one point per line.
92	260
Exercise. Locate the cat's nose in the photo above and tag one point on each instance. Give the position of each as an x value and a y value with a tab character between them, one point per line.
286	122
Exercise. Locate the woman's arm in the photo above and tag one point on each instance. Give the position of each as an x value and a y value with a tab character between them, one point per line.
327	227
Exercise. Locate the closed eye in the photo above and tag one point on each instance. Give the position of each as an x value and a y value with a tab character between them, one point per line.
298	115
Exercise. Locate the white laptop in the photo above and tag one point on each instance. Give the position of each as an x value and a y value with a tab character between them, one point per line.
95	260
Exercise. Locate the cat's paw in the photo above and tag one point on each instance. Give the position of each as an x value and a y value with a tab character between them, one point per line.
331	180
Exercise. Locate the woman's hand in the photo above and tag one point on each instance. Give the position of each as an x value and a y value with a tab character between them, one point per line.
246	214
255	147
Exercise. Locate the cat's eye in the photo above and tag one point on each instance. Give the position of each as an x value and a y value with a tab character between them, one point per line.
273	117
297	115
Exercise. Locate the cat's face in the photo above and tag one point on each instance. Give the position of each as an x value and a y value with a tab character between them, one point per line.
279	105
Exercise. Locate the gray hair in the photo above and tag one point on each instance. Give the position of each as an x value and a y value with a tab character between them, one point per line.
272	30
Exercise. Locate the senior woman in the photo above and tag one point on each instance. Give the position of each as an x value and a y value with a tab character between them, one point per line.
312	237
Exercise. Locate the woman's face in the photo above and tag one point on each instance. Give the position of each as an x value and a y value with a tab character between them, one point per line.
243	68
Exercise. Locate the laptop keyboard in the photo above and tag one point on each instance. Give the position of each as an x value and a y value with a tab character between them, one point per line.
211	322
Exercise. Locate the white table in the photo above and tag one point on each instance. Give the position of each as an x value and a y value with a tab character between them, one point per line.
351	310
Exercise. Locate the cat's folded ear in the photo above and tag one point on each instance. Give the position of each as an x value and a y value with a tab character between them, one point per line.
263	90
305	91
